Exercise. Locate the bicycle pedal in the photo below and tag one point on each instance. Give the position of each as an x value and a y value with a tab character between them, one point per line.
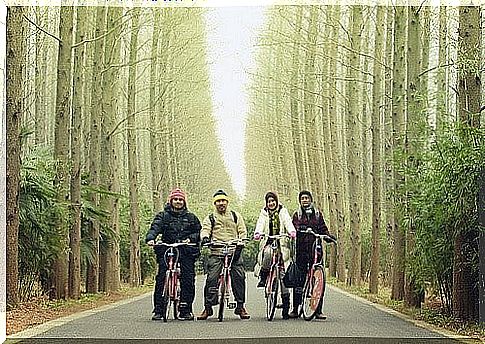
231	305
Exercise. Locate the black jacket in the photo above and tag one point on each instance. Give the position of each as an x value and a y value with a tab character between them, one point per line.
175	227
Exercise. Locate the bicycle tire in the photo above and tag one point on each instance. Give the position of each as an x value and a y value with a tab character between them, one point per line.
176	296
313	293
272	284
222	297
166	297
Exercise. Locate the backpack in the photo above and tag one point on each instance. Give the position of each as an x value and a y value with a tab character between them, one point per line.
213	220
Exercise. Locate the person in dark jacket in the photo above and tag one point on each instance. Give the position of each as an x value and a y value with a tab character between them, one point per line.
307	216
176	224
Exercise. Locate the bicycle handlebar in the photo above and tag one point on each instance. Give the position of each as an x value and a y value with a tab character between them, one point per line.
279	236
176	244
325	237
220	243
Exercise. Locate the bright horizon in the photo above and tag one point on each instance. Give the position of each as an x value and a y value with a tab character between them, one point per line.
232	34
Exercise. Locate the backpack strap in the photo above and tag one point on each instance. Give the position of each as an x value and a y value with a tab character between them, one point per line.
213	220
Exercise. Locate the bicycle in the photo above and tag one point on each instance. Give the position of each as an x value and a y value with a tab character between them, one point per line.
224	283
274	278
314	287
171	286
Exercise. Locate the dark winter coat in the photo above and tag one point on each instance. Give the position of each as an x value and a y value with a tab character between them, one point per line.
175	227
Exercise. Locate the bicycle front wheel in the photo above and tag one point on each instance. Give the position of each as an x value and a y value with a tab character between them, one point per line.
176	296
271	292
313	292
222	297
166	297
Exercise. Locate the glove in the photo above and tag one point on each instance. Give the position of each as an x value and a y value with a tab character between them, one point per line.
293	234
205	241
151	242
256	236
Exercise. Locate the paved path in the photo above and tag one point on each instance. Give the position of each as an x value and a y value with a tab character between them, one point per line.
349	319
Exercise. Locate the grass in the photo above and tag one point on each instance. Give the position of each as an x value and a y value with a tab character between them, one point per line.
429	313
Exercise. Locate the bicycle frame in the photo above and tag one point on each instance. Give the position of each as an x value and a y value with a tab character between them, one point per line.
171	287
314	289
224	283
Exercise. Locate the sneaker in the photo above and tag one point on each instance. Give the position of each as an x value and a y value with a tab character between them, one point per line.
241	311
157	317
294	314
186	316
207	312
320	316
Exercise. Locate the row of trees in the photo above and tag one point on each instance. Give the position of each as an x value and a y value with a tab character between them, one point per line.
107	110
377	111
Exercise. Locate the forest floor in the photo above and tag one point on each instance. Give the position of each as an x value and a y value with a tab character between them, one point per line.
431	311
40	310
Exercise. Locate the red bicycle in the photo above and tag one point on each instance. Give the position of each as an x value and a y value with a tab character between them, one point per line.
314	287
224	283
171	286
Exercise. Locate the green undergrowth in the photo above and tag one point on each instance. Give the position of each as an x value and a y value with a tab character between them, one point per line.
428	313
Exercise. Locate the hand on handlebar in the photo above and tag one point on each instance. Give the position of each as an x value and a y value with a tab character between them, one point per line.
205	241
151	243
257	236
292	234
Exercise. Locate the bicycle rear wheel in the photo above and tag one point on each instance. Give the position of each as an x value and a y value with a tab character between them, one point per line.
271	291
313	293
222	297
166	296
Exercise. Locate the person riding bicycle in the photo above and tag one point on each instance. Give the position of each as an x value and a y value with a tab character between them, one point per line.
273	219
307	216
223	225
176	224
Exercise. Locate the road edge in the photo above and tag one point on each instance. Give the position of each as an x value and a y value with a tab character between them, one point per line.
419	323
39	329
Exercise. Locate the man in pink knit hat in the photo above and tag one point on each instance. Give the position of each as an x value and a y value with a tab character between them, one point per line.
176	224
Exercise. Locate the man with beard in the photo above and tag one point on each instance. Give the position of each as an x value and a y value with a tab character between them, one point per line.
223	225
176	224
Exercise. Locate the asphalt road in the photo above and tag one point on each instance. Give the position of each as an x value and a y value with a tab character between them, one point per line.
350	319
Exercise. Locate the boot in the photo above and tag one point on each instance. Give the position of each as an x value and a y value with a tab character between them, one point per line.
241	311
207	312
263	275
286	306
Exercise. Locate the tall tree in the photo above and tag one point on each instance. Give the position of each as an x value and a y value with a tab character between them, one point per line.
354	151
377	88
15	55
135	276
465	275
75	187
61	142
399	130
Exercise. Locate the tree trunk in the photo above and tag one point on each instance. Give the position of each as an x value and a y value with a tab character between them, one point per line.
465	277
61	143
92	274
354	150
15	58
135	277
399	130
109	279
77	114
377	88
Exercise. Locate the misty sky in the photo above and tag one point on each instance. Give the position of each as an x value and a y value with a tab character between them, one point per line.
232	33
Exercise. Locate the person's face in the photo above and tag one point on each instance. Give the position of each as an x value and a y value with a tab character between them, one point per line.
221	205
178	203
271	204
305	200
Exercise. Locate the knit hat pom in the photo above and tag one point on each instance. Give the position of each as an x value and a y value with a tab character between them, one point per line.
177	193
220	194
